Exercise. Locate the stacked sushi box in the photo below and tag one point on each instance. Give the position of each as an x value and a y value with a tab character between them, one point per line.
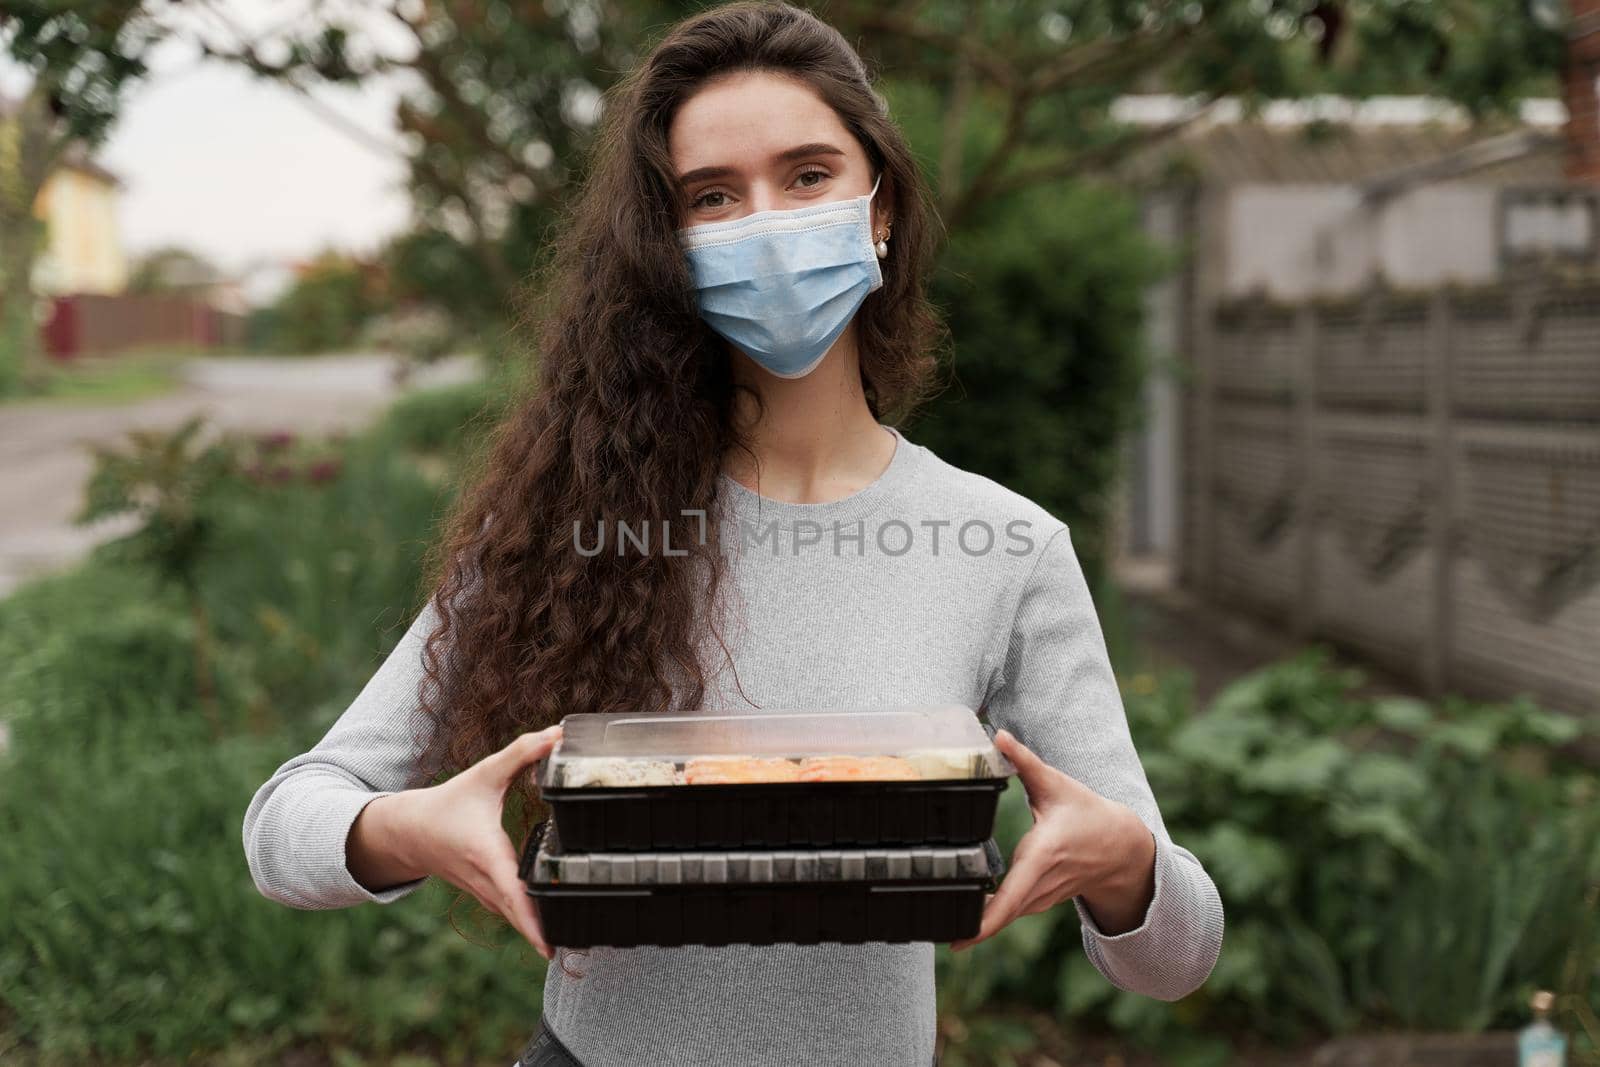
719	827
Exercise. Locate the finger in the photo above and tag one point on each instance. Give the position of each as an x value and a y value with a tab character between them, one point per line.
521	913
988	898
1029	864
1048	891
517	906
527	748
1041	780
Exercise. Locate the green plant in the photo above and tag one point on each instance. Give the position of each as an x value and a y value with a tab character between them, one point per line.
1489	917
170	483
447	420
1044	298
327	305
1579	996
130	930
1383	861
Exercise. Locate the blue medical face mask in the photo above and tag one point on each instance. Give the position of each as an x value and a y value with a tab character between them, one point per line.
783	285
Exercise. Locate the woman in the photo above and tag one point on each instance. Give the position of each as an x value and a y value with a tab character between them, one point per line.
728	335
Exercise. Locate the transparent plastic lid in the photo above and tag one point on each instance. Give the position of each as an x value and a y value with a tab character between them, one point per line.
717	746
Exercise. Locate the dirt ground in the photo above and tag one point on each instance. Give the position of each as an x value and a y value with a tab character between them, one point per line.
1176	630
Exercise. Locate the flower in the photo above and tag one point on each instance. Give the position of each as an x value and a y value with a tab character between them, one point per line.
324	470
272	442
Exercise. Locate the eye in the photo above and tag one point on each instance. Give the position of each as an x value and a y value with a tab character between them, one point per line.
700	201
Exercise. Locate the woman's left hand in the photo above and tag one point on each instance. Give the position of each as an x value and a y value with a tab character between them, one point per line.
1081	844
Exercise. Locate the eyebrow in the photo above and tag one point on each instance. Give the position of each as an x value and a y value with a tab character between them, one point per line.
788	155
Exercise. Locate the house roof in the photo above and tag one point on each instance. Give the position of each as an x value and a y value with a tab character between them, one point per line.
1357	147
77	158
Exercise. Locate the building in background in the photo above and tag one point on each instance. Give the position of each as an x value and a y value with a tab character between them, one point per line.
82	274
83	250
1326	197
1381	421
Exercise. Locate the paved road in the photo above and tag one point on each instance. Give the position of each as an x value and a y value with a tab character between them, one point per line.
45	464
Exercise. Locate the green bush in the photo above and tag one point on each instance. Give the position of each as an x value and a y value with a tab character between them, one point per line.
304	562
1383	864
326	306
447	420
305	574
1044	298
129	925
130	928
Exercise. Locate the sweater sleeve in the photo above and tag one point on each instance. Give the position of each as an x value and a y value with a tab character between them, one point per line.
1057	694
296	824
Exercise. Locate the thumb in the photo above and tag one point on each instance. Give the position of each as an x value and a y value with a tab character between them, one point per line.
1038	777
527	748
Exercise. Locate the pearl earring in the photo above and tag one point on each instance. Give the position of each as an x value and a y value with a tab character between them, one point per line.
882	245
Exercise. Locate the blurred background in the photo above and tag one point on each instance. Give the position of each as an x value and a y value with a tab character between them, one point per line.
1291	308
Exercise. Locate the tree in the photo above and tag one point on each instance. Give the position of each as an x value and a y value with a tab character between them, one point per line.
171	268
495	133
1023	88
1001	99
329	302
82	58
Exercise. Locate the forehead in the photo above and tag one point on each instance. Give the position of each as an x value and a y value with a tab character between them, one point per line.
742	119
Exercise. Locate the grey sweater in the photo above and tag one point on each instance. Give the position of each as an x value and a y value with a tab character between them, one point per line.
932	585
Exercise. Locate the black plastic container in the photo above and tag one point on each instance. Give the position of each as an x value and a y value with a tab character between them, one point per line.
759	898
775	815
953	803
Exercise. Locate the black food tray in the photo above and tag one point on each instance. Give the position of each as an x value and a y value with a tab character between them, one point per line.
625	911
776	814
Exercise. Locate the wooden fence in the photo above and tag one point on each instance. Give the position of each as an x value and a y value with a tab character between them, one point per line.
104	324
1413	475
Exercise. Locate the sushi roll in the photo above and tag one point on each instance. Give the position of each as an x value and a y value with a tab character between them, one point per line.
617	771
945	763
722	770
856	769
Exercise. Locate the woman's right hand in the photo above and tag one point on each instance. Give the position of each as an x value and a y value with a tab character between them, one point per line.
453	830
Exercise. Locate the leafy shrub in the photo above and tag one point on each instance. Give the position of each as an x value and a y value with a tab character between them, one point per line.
129	925
326	306
1383	863
446	420
1044	298
304	574
130	928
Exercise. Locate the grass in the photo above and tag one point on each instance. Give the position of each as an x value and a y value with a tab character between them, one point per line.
123	378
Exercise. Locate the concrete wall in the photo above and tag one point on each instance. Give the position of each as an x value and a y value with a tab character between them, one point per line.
1299	240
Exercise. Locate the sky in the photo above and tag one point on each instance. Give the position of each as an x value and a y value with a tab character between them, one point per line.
242	170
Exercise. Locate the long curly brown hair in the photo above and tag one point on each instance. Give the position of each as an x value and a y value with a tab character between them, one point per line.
629	413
